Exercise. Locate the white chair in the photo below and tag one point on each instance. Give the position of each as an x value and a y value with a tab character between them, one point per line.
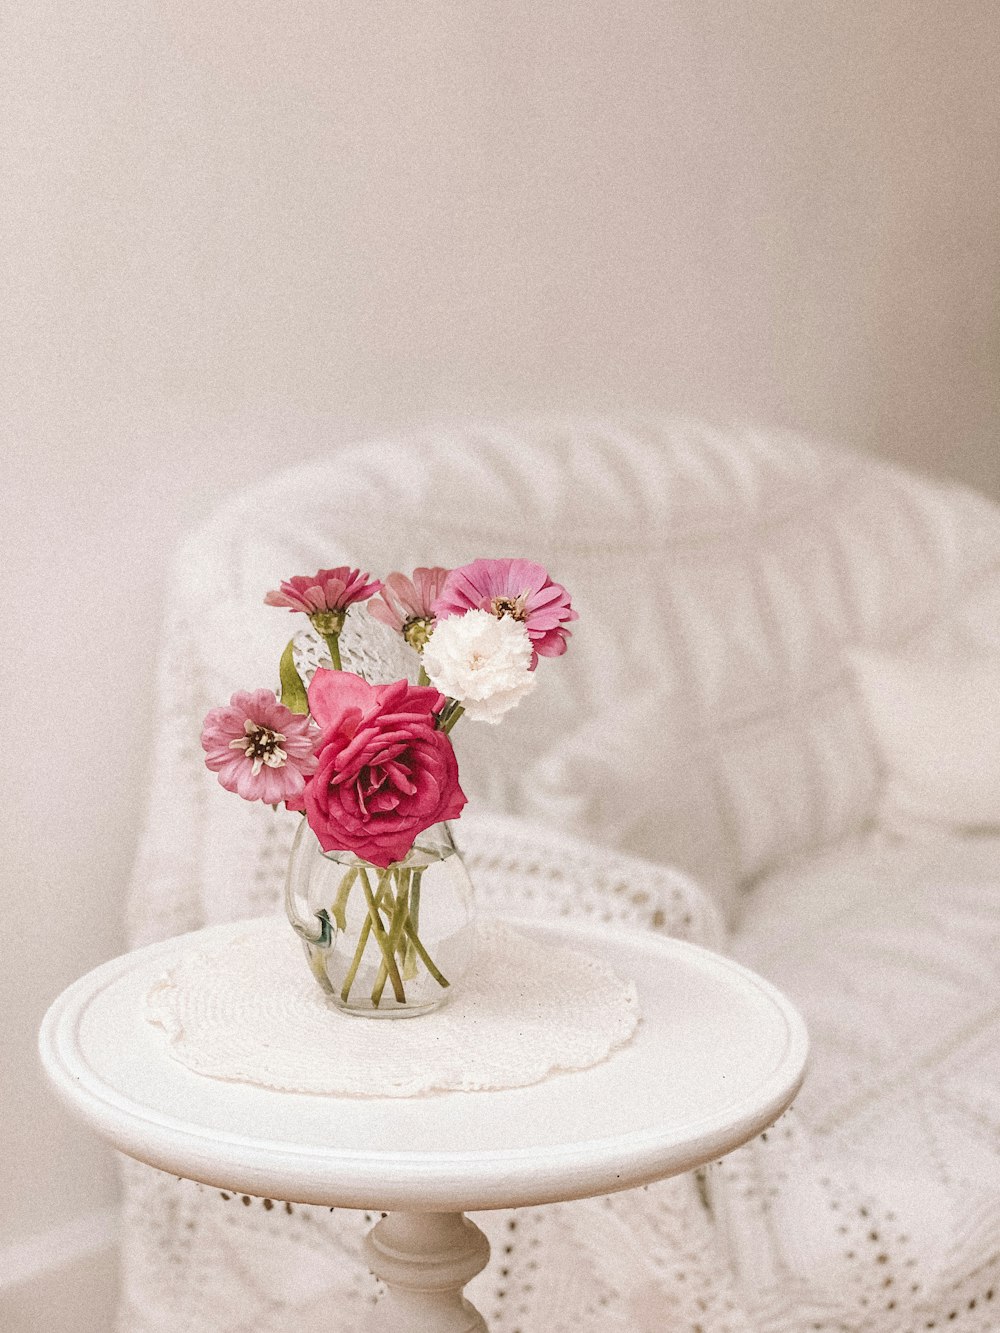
704	718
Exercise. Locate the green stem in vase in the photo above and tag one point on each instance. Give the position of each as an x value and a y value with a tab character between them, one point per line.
380	935
384	896
339	909
399	911
425	957
352	971
410	953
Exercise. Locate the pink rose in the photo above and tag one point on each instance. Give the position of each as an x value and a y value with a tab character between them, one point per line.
384	770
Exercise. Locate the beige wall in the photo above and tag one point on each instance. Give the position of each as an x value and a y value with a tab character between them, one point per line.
232	232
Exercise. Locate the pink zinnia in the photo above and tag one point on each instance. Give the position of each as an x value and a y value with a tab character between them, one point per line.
260	749
405	605
516	588
325	595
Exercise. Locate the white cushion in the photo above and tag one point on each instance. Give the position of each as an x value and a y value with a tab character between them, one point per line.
936	720
634	773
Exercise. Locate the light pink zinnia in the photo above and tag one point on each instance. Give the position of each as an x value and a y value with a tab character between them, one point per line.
516	588
405	604
260	749
325	595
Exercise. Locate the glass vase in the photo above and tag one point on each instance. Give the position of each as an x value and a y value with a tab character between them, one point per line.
382	942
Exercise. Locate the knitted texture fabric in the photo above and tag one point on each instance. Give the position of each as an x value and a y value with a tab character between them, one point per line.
876	1205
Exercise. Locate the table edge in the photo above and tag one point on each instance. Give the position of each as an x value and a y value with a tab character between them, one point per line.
467	1180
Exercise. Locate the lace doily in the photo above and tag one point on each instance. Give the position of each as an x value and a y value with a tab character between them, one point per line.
247	1010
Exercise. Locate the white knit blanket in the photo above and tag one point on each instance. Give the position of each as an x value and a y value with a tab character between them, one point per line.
876	1206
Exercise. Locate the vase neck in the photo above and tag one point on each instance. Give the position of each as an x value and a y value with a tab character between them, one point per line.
429	846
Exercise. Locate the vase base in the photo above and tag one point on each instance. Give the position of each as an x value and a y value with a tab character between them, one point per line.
360	1004
385	1010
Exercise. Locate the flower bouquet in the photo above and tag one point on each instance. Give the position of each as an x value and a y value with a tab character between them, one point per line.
375	887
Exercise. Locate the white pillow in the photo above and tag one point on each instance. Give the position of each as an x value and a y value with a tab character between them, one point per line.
936	722
631	778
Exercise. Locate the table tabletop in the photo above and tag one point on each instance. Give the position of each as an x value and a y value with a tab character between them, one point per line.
718	1055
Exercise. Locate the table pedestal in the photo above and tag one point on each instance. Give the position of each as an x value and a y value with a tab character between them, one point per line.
425	1259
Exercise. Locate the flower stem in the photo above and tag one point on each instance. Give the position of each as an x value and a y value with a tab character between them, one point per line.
399	911
366	930
423	678
333	643
424	955
339	909
410	954
399	919
380	935
452	716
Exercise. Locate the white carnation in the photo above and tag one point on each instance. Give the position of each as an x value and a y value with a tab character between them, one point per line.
482	661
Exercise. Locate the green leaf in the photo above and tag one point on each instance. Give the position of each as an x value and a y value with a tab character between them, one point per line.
293	692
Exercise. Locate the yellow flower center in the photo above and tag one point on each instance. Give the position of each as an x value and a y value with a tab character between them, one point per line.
510	606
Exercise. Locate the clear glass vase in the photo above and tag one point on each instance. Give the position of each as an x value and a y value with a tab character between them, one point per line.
385	943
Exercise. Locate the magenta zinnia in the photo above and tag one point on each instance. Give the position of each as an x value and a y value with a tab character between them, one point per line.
405	604
516	588
260	749
325	595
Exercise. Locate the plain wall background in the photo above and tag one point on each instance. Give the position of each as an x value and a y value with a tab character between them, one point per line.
233	233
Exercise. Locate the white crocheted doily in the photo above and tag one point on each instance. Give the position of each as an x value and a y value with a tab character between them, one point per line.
248	1010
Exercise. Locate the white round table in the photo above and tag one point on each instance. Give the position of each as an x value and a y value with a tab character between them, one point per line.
717	1057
